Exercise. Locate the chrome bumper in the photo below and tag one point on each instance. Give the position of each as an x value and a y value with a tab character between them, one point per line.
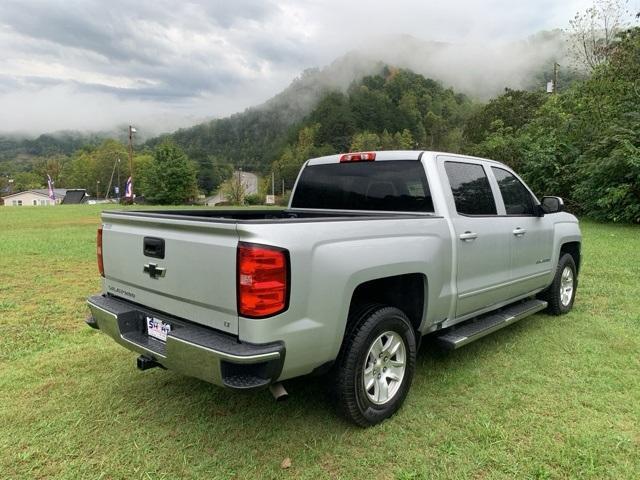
190	349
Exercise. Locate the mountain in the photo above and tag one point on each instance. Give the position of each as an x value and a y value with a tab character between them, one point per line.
18	152
254	138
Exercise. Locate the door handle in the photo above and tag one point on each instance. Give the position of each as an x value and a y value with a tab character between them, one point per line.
518	232
468	236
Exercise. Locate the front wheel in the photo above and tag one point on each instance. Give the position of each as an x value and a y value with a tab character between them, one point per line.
562	292
376	366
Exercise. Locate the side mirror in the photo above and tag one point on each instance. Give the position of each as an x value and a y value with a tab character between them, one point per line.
552	205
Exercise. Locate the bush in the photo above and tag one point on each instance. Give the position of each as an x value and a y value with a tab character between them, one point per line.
253	199
283	200
610	173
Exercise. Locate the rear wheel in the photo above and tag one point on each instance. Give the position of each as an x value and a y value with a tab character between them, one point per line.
376	366
562	292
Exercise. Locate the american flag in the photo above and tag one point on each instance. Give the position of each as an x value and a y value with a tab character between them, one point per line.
52	194
128	193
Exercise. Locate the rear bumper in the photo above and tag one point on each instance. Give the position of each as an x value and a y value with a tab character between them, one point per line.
190	349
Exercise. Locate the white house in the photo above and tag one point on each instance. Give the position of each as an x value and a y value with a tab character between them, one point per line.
37	197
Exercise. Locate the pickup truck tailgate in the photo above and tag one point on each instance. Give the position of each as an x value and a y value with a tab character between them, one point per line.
194	278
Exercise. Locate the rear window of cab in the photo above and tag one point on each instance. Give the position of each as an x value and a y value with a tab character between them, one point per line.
399	186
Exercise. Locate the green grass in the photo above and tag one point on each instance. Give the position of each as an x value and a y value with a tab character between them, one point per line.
550	397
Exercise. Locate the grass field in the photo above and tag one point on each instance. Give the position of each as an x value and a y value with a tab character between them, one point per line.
550	397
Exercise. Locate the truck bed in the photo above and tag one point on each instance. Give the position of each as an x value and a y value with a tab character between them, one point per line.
264	216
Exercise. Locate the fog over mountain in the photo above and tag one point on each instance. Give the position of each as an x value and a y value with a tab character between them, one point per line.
92	65
478	70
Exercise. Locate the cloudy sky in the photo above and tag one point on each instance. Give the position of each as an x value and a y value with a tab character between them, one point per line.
93	64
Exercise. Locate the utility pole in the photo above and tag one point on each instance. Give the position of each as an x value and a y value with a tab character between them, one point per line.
555	77
283	187
273	183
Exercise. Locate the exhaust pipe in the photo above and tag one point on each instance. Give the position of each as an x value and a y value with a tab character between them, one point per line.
278	391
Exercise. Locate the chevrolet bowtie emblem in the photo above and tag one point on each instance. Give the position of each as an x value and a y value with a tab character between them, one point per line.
154	270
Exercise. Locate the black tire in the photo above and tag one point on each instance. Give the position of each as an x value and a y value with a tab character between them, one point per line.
553	294
353	400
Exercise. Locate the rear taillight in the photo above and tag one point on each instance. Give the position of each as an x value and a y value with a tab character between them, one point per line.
263	280
99	251
358	157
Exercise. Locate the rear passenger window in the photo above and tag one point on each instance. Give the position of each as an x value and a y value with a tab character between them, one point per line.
470	187
516	197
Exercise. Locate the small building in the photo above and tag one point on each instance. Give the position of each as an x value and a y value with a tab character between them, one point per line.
75	195
36	197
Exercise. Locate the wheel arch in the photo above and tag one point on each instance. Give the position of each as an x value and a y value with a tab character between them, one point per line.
573	248
407	292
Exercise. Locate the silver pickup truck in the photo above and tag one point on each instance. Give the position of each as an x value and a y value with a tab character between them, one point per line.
375	251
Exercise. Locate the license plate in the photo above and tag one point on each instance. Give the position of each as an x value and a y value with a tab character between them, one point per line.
157	328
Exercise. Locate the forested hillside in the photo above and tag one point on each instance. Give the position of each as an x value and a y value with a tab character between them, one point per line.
17	153
582	144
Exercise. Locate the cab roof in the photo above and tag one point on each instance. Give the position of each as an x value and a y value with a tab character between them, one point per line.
381	155
390	155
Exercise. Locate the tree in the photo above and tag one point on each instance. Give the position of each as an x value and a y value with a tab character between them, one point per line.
91	165
403	140
53	166
105	156
386	141
609	185
372	110
435	126
335	120
235	189
172	179
286	167
27	181
595	31
364	141
144	169
220	171
502	144
514	109
81	171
